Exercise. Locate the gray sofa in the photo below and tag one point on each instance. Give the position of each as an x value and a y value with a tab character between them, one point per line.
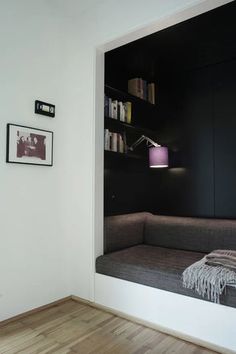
154	250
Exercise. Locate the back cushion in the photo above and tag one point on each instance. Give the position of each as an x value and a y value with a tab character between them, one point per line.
123	231
193	234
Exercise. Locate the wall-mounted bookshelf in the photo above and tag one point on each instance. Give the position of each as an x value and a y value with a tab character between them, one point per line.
126	127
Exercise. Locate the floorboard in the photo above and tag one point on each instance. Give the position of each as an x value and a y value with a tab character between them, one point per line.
74	327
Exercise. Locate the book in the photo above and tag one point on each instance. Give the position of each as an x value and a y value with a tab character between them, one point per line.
151	93
144	90
140	88
120	144
113	141
128	112
118	110
114	109
106	139
114	138
125	143
109	107
106	106
122	111
135	87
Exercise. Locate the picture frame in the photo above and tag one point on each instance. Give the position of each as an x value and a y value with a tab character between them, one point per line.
28	145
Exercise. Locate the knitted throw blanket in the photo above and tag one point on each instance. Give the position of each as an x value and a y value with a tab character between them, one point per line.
210	276
225	258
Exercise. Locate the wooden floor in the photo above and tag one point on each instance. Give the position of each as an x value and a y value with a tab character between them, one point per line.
73	327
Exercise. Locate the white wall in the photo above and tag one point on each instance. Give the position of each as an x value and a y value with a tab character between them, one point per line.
32	205
48	52
198	321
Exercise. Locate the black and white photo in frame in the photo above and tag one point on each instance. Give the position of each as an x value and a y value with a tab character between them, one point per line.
29	145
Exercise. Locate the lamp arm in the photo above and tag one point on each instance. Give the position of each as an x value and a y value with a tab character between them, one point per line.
140	140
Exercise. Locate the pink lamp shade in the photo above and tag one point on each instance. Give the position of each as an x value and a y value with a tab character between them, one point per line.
158	157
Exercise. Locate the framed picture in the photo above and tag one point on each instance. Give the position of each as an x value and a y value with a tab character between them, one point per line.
29	145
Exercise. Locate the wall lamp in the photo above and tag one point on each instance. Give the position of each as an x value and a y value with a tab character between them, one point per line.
158	155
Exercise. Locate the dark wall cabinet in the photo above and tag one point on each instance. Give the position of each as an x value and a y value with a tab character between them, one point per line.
194	67
224	112
205	185
127	178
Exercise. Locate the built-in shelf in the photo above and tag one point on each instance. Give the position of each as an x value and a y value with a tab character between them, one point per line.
145	115
119	155
122	126
118	93
144	120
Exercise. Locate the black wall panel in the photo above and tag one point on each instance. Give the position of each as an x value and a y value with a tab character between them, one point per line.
194	66
202	129
188	189
225	139
127	192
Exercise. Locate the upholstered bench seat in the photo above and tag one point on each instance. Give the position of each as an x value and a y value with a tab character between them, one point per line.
158	267
154	250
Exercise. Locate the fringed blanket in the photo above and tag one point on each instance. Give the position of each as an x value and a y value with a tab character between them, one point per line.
225	258
210	276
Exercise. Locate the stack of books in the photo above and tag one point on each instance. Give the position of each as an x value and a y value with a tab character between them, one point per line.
115	109
140	88
113	142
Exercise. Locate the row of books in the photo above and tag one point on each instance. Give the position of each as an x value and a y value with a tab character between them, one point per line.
118	110
114	141
142	89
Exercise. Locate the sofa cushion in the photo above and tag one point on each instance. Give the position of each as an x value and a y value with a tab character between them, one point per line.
123	231
154	266
194	234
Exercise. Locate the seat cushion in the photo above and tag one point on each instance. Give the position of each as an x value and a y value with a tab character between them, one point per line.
158	267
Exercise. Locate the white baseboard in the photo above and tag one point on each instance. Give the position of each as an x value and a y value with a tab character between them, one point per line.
34	310
210	325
